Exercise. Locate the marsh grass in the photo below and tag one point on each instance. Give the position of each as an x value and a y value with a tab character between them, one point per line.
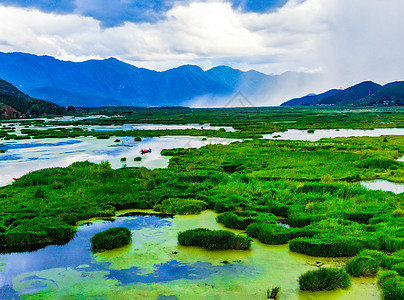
324	279
214	239
241	220
362	265
181	206
111	238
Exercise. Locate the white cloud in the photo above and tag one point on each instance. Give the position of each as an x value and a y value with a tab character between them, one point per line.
348	40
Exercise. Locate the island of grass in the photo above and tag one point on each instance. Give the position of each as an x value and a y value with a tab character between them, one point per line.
214	239
110	239
324	279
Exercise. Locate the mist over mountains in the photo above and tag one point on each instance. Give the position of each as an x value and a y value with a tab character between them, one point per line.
111	82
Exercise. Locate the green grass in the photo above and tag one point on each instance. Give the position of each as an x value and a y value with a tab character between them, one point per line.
330	215
362	266
324	279
181	206
111	238
214	239
241	220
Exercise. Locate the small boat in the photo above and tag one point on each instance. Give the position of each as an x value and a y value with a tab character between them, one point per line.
144	151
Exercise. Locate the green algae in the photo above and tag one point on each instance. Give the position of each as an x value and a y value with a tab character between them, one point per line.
268	265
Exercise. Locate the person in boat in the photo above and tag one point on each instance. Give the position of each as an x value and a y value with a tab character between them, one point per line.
144	151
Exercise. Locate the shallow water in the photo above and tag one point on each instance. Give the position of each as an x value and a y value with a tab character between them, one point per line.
23	156
293	134
384	185
18	127
154	266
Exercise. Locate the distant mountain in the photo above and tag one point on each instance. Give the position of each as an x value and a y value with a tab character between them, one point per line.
366	93
111	82
391	94
15	104
309	99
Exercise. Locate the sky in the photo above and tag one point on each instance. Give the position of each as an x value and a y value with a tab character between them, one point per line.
346	40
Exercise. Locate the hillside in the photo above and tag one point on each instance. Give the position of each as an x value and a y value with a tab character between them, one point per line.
392	94
15	104
309	99
366	93
111	82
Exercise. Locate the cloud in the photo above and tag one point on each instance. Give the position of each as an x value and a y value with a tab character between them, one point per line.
113	13
349	41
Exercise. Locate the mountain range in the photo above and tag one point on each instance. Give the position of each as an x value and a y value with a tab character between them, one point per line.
366	93
15	104
111	82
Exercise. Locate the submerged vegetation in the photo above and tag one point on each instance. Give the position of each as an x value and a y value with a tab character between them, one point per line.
214	239
111	238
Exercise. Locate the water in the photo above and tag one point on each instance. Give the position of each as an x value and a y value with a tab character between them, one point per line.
384	185
154	266
293	134
18	127
23	156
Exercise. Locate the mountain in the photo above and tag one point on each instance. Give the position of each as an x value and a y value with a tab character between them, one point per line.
309	99
15	104
392	94
366	93
111	82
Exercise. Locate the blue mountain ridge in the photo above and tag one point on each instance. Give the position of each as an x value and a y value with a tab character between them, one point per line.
111	82
365	93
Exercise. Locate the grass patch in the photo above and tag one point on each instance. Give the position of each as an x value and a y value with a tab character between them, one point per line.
362	265
214	239
111	238
181	206
324	279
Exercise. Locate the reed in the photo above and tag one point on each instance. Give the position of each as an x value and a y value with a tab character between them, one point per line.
324	279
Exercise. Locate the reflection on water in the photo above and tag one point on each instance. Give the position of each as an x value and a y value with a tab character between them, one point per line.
384	185
154	266
293	134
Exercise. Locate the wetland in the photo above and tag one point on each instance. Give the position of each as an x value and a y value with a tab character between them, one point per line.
308	200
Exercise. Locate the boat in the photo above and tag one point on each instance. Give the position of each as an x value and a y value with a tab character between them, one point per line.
144	151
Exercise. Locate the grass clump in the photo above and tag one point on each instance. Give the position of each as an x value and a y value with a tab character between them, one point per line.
399	268
123	159
138	139
111	238
363	266
385	275
181	206
326	247
241	220
214	239
273	293
392	287
137	158
274	234
324	279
